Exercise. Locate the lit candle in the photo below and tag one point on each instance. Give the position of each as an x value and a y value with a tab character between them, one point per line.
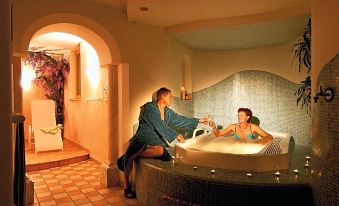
277	174
182	93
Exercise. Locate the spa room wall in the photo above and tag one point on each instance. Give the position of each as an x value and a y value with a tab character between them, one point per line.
263	79
159	66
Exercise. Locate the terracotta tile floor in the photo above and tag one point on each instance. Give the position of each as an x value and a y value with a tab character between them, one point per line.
72	153
75	184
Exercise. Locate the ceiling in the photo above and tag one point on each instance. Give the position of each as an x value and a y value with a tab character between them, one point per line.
218	24
54	41
244	36
169	13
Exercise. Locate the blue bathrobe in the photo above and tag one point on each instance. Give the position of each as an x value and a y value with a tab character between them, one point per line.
153	130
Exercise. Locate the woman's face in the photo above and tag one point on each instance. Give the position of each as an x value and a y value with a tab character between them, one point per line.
242	117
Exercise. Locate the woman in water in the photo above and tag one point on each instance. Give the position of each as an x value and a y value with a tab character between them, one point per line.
243	130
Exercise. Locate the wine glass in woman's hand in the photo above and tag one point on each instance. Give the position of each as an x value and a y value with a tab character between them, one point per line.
212	124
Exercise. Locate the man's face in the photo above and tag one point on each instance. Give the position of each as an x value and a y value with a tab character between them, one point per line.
167	99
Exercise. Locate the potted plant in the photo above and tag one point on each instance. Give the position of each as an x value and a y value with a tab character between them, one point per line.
302	53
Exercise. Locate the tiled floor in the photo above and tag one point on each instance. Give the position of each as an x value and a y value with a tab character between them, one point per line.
75	184
72	153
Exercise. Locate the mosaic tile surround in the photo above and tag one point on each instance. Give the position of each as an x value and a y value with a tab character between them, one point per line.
176	183
269	96
325	141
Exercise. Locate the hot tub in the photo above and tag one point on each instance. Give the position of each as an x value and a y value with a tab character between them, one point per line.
227	153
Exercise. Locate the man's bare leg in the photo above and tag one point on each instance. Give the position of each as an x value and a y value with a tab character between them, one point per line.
151	151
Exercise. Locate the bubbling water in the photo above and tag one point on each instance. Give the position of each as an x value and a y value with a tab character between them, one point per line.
228	145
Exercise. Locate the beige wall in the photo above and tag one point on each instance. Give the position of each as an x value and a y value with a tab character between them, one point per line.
154	59
210	67
160	66
325	33
86	118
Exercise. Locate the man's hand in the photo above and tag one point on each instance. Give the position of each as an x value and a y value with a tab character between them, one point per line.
204	120
181	138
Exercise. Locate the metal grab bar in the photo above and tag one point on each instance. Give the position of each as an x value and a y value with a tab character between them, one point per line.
198	129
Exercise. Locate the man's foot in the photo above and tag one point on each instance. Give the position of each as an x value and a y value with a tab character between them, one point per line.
129	193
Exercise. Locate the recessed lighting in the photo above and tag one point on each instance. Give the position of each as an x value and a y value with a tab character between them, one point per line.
143	8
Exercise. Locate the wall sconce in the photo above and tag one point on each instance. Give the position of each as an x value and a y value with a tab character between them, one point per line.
27	75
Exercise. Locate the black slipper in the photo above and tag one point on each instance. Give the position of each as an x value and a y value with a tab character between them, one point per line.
129	194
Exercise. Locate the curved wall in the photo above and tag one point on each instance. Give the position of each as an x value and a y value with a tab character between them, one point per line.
325	139
210	67
269	96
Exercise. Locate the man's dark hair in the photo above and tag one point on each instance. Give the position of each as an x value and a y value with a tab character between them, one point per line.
247	111
162	92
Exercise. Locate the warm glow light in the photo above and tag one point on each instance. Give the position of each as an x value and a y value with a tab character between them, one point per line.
27	75
92	65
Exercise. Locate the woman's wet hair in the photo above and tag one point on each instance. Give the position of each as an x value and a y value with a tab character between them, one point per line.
162	92
247	111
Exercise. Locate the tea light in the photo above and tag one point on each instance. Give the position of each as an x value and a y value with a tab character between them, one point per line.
296	171
195	167
249	175
213	172
307	165
308	158
277	174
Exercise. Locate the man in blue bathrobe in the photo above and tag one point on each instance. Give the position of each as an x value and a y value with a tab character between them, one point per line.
153	131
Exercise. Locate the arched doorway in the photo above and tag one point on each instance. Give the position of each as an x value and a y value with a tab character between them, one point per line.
104	146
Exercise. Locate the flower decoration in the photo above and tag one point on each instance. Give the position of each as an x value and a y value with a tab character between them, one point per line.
50	74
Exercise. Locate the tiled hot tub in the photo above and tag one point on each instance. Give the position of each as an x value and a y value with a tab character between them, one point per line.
227	153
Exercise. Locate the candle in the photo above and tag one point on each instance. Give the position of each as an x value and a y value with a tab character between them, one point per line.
182	93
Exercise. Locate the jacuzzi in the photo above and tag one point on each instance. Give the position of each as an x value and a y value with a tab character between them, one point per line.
226	153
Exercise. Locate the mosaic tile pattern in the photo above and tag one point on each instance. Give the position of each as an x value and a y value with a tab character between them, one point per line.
183	107
176	183
325	139
269	96
75	184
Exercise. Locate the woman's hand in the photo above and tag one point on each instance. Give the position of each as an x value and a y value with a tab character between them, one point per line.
212	124
181	138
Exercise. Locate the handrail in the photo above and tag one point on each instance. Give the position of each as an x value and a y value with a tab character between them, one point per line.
18	118
19	187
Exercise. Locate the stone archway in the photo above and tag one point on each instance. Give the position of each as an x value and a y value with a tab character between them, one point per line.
109	59
81	26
